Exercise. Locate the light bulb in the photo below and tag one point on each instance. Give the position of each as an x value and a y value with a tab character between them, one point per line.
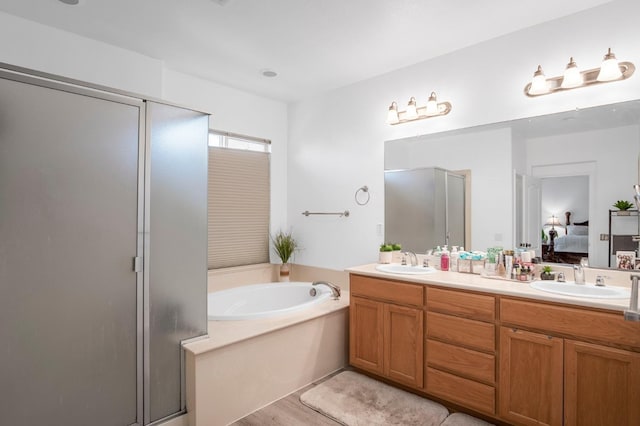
609	70
432	104
392	115
538	83
412	112
572	77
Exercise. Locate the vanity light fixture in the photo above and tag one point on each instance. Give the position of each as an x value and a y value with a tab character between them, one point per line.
573	78
414	112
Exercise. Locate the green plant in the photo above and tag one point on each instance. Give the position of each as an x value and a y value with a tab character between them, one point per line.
396	246
543	236
284	245
386	247
546	269
622	205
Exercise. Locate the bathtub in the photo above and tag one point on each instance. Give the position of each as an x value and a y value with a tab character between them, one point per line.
263	300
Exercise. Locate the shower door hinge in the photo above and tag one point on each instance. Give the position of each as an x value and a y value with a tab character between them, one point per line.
137	264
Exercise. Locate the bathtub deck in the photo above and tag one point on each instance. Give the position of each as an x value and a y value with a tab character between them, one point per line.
223	333
248	364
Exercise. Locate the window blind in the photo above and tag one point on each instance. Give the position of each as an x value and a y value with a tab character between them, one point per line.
239	198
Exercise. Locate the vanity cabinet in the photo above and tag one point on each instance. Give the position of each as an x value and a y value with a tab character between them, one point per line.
460	348
517	360
530	377
386	329
549	377
601	385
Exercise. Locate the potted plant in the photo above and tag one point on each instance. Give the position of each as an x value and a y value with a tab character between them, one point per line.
546	273
623	206
386	253
284	246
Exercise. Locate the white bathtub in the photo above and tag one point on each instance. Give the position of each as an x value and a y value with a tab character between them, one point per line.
263	300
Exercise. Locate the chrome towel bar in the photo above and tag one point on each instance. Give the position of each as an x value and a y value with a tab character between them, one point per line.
341	214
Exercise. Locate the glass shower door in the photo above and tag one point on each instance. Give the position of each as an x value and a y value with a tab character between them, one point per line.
70	327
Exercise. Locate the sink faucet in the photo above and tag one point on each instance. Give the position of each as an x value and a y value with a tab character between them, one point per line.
633	314
413	257
335	290
578	274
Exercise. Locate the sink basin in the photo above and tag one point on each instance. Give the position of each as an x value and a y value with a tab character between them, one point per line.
590	291
396	268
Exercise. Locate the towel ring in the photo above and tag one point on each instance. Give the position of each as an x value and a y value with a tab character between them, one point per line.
364	190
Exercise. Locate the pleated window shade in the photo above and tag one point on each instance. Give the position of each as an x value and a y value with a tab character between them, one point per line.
239	207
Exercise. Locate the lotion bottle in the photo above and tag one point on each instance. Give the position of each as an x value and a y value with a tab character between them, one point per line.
453	259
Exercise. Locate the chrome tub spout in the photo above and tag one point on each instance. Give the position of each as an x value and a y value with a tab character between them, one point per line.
335	290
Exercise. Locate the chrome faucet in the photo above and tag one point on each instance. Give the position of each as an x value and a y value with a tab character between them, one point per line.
578	274
413	257
335	290
633	314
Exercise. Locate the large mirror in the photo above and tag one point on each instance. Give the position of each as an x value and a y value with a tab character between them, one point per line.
526	175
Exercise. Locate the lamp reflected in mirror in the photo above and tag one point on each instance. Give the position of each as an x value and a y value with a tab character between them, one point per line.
553	221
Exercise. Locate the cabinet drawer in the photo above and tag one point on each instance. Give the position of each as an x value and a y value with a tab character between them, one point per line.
465	392
390	291
462	331
466	362
476	306
579	322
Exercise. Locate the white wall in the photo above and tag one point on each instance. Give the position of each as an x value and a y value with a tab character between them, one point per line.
336	139
561	195
42	48
334	142
565	194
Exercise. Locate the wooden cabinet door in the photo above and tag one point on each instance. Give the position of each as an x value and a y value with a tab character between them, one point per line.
403	345
366	334
602	385
530	378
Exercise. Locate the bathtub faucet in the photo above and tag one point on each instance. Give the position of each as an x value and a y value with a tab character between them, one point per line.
335	290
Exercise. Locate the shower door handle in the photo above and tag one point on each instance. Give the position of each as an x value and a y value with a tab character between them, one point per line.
137	264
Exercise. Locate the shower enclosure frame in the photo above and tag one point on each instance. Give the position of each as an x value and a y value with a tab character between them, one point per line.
142	238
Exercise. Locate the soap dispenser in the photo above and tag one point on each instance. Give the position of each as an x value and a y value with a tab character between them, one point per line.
444	259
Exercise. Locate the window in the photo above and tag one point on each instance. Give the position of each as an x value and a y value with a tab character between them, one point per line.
239	196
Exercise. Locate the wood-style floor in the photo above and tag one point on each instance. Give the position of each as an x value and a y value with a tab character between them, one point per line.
288	411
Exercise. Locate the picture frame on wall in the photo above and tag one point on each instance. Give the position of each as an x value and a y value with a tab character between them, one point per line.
625	259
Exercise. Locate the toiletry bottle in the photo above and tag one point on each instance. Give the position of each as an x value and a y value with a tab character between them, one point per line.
453	259
508	264
437	256
500	269
444	260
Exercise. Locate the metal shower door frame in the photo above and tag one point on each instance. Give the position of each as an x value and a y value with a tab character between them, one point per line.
21	75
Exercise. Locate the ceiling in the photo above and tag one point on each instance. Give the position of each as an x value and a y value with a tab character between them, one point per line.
313	45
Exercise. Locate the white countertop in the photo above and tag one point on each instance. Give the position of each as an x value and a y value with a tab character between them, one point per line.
488	285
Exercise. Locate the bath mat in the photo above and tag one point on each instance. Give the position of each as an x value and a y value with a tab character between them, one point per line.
357	400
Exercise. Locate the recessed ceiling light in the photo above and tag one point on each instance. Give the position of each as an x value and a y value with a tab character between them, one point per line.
221	2
268	73
70	2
